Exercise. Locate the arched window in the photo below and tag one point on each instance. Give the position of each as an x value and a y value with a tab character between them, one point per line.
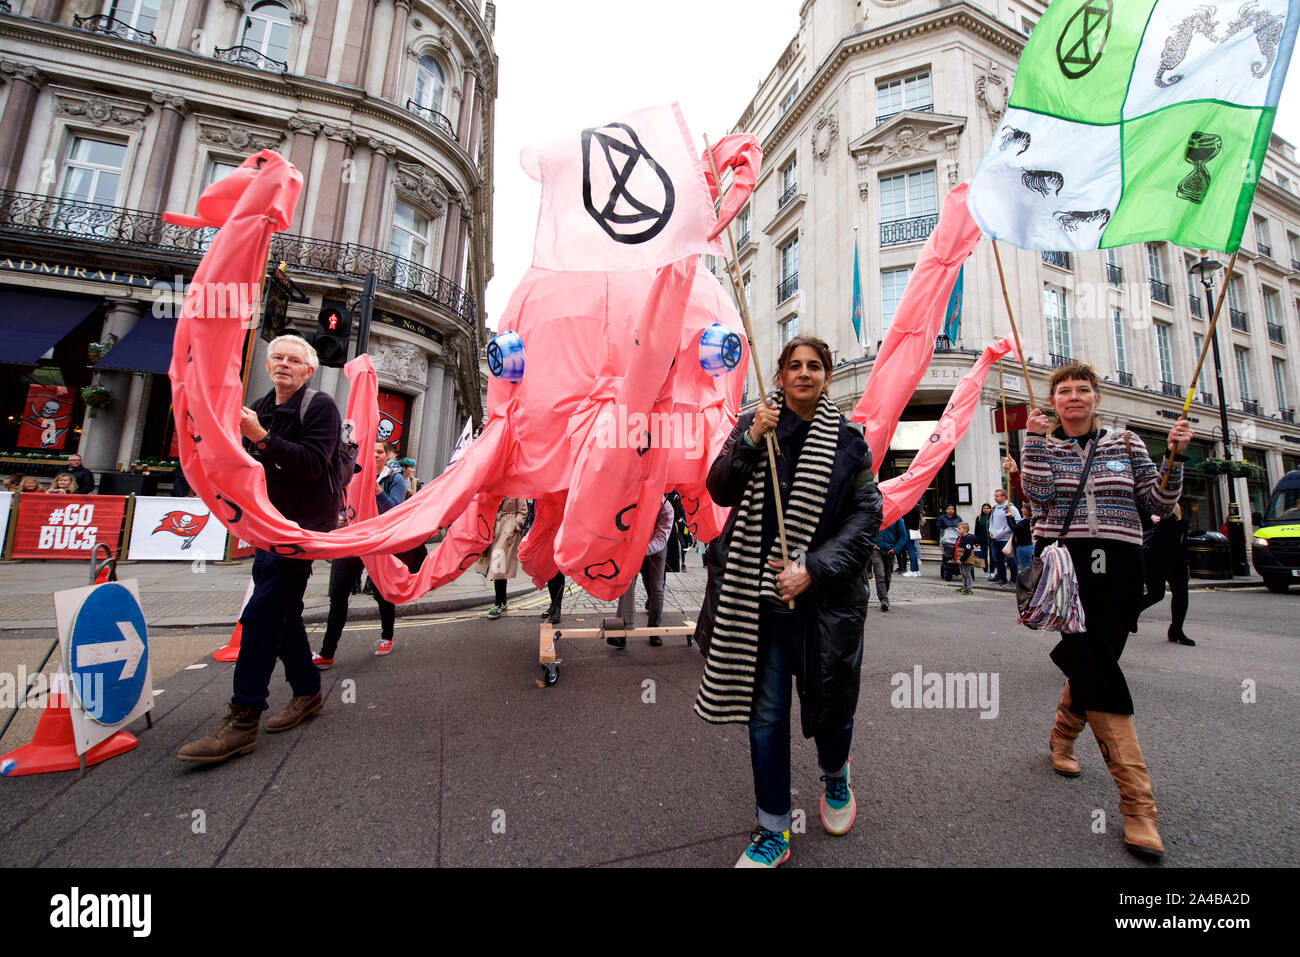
266	30
430	84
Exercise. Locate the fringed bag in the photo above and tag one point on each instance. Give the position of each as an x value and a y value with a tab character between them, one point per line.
1047	593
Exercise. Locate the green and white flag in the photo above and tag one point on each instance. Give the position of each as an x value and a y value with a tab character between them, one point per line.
1136	120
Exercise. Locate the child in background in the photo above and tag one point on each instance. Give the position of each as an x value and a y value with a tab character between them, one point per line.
963	553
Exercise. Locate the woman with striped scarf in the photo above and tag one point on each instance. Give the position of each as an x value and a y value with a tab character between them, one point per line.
754	641
1104	539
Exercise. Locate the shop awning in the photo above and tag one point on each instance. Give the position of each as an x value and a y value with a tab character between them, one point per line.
147	347
33	323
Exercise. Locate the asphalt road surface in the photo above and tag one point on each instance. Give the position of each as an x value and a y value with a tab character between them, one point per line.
448	753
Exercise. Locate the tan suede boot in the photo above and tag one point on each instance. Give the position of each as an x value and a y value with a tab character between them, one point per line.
236	734
299	709
1119	746
1065	729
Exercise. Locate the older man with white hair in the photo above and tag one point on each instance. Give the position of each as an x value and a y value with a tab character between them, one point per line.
297	448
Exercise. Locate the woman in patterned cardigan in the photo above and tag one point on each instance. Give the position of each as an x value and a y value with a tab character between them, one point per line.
1105	543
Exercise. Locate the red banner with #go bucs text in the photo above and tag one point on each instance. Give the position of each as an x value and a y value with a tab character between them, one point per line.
66	526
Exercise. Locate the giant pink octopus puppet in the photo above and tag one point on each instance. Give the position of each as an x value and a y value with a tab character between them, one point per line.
612	406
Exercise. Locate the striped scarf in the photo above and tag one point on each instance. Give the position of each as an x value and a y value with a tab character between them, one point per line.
727	689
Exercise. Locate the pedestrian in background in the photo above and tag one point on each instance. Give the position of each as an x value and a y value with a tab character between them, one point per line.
1001	522
345	574
964	555
63	484
889	542
83	476
408	476
982	531
912	520
755	643
30	484
653	571
1164	557
500	562
947	524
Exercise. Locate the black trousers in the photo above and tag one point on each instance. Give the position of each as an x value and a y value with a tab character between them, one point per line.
344	575
1110	578
1176	575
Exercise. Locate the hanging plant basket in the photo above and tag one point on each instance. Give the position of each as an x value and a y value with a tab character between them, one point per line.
97	350
96	397
1233	468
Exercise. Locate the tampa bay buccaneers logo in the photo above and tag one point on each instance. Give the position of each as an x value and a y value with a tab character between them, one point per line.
185	524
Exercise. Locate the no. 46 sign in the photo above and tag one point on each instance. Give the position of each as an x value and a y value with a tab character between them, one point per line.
66	526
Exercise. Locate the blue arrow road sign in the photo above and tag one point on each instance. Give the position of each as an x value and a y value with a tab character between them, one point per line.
108	650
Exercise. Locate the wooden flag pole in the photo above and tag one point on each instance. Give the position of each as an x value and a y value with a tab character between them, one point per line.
1205	348
738	291
1006	426
1029	386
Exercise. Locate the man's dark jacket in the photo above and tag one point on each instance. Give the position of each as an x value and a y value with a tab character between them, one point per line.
299	458
85	480
835	605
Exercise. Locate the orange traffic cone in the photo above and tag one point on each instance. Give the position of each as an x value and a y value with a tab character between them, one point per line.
53	747
231	651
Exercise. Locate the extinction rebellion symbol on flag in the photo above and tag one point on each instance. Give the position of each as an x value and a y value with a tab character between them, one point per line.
624	216
1080	46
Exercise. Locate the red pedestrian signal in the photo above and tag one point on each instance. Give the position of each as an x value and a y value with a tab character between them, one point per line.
333	331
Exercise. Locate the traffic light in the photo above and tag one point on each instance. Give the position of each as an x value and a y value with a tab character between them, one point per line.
333	329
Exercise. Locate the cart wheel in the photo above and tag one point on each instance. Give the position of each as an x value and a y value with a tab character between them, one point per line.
550	675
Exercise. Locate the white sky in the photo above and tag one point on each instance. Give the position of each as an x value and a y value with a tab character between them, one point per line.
567	64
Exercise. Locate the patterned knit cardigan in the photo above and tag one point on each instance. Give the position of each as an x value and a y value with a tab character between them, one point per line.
1121	479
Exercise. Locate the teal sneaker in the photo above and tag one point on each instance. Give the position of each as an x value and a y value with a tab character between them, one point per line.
839	806
766	849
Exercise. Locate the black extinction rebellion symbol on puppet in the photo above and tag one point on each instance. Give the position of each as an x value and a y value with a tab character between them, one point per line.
1081	43
625	217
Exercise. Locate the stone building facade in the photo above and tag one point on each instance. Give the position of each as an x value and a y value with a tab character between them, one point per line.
873	112
113	111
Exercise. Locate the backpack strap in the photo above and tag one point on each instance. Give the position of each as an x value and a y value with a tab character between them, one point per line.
306	401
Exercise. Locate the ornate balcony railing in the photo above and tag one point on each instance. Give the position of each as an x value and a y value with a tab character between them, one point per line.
788	195
1265	249
74	221
247	56
1206	398
1275	333
1125	378
1295	264
1159	291
1288	416
1172	389
907	230
1250	406
4	7
943	344
1114	275
743	241
1058	361
787	288
432	116
1195	302
112	27
1238	319
1057	258
886	117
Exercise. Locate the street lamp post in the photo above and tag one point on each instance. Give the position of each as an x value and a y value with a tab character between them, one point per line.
1204	271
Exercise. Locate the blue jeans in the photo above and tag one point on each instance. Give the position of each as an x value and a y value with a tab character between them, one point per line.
913	553
1003	568
780	651
1025	555
272	628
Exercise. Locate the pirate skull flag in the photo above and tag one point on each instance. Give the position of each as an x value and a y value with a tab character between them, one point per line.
1136	121
629	193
